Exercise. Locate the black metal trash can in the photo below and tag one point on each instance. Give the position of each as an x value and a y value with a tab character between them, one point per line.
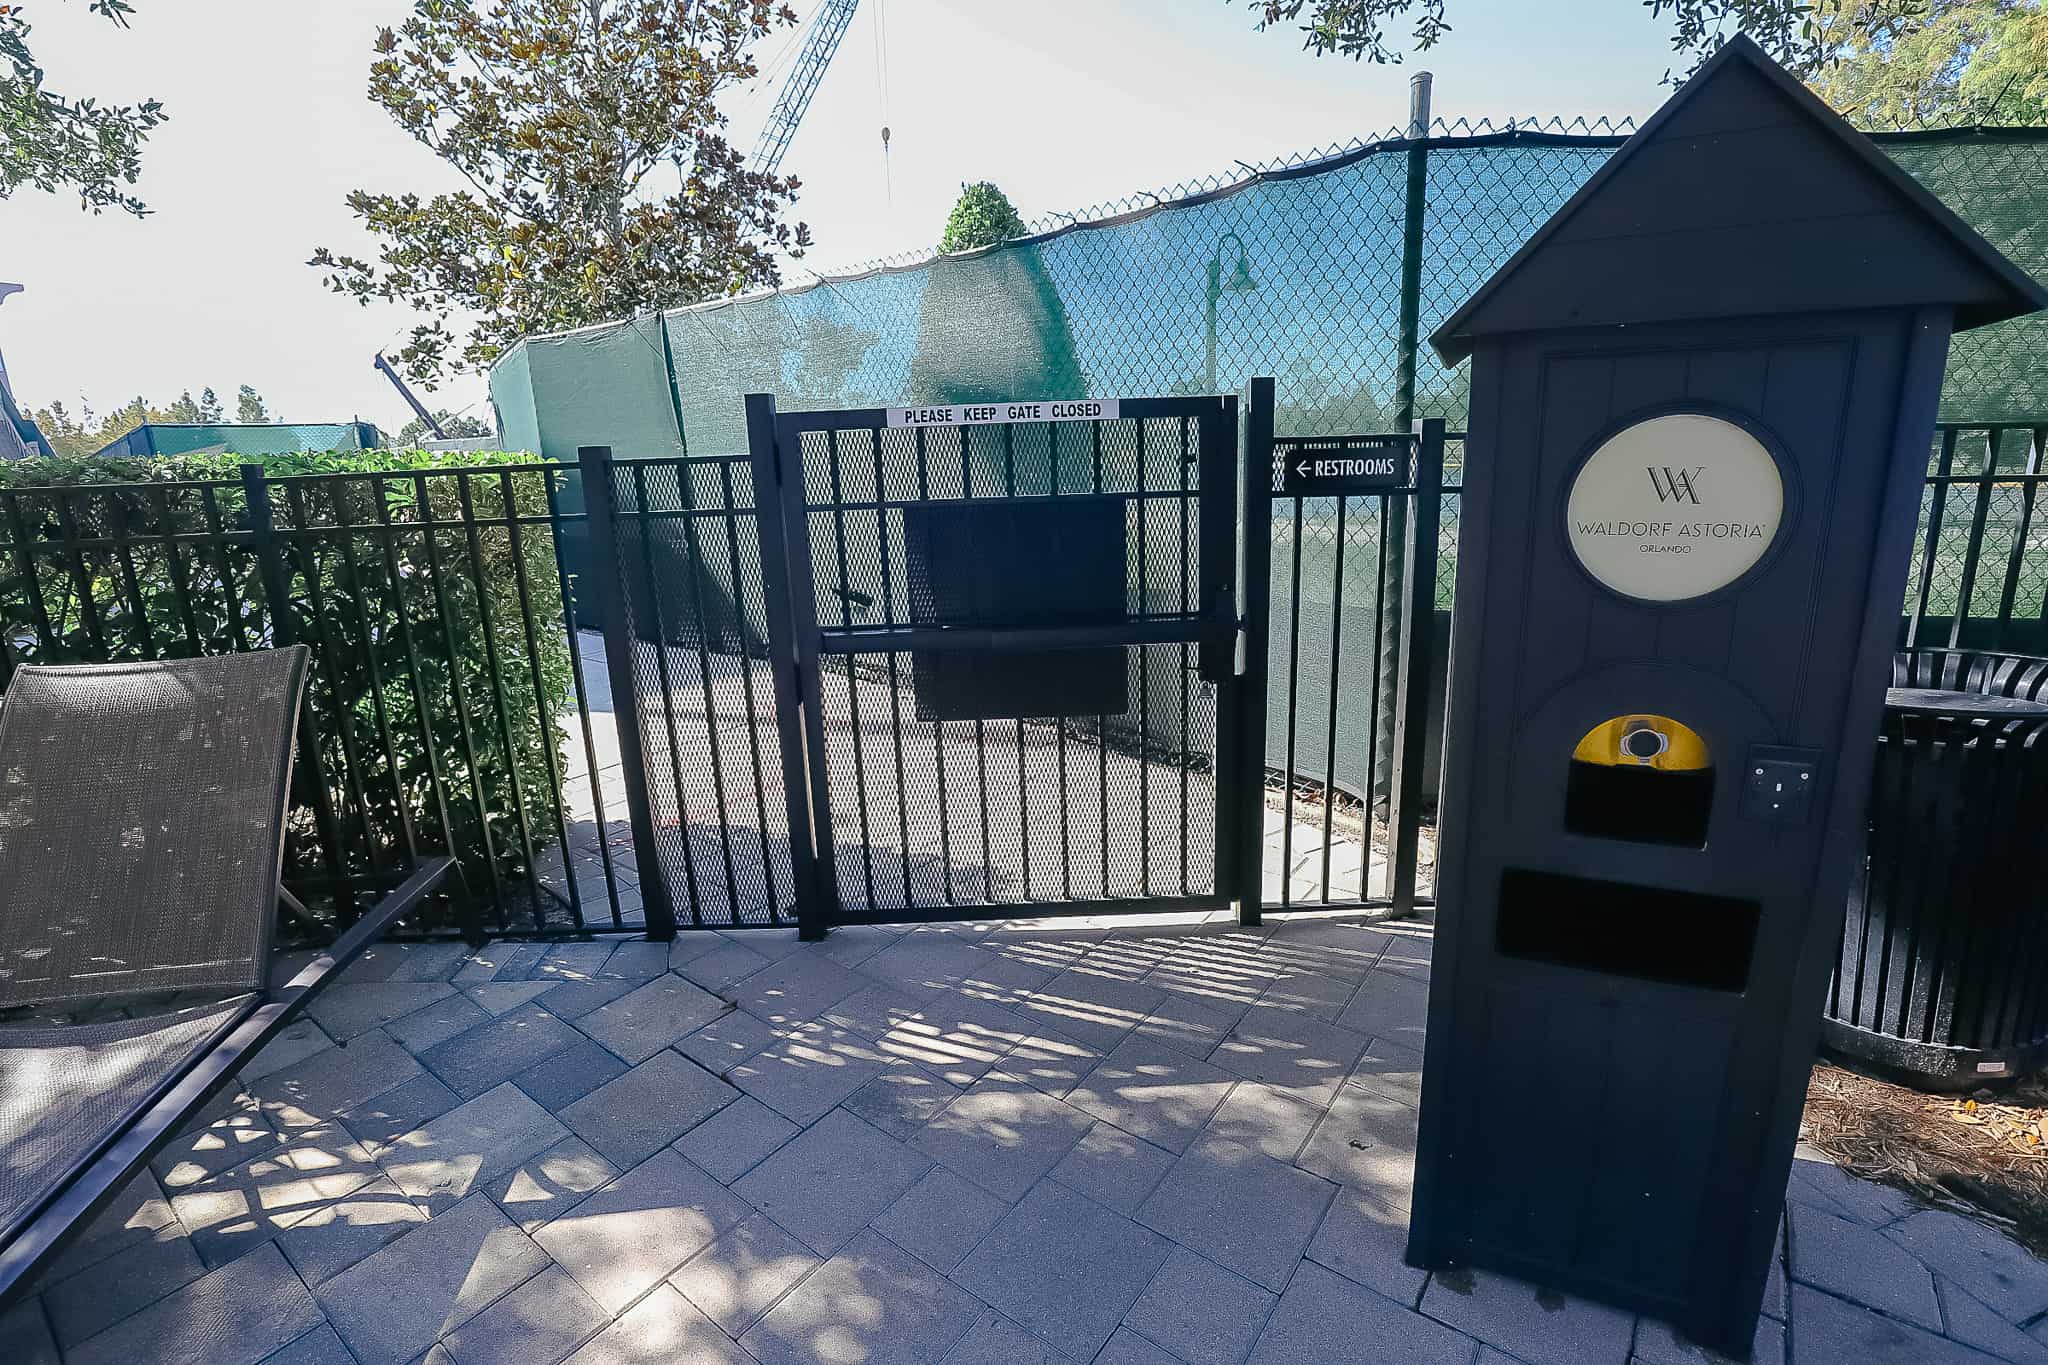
1943	972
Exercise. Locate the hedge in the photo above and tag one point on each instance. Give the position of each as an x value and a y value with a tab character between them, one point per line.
413	645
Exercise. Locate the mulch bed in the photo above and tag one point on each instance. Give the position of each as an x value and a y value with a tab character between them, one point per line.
1984	1154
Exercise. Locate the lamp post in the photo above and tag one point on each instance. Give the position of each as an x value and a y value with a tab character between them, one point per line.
1240	282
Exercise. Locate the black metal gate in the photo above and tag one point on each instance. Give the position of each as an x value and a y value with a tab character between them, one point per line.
885	668
1014	686
1319	665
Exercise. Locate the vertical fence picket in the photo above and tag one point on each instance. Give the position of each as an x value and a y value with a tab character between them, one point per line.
540	694
124	563
1255	520
1966	588
614	595
576	674
219	542
304	537
174	565
401	612
779	516
25	565
487	624
2016	557
81	581
1937	505
270	567
373	664
732	557
1416	682
458	693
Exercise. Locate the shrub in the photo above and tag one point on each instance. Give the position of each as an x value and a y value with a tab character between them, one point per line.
982	216
440	663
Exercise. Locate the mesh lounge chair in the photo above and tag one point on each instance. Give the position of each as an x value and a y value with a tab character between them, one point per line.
142	811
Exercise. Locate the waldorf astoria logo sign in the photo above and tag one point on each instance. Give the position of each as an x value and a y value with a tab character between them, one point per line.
1674	507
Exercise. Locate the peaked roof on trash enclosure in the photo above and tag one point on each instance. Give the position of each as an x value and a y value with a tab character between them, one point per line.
1744	196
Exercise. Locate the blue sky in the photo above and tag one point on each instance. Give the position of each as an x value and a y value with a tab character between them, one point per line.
1064	103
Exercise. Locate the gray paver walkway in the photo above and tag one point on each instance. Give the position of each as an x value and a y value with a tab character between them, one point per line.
885	1150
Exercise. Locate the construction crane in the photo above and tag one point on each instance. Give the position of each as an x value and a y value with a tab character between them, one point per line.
419	409
820	43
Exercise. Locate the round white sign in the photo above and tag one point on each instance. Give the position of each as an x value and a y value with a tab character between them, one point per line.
1674	507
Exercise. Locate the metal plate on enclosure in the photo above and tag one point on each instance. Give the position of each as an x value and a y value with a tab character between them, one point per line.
1010	564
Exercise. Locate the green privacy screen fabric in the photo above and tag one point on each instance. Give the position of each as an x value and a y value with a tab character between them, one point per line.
1120	305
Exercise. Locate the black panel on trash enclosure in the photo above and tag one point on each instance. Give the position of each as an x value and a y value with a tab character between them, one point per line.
1017	564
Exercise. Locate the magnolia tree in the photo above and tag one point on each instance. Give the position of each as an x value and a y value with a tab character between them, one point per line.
598	180
55	142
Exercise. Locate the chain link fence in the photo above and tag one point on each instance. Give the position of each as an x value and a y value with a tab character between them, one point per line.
1293	270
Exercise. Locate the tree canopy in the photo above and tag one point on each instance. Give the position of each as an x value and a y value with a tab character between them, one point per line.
599	182
1884	61
85	431
982	216
1953	61
52	142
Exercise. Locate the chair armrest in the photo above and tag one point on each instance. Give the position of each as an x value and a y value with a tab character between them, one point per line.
402	900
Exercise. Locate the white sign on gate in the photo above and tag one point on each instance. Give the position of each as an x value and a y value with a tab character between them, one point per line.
986	414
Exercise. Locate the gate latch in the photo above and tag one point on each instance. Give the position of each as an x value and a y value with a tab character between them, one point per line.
1216	653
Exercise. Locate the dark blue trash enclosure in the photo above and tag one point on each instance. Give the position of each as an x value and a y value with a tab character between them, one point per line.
1699	434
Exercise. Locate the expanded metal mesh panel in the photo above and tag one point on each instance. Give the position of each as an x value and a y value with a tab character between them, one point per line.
688	559
1114	801
969	813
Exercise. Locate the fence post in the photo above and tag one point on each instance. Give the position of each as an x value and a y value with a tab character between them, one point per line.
594	465
1393	594
269	562
1415	683
1255	513
777	537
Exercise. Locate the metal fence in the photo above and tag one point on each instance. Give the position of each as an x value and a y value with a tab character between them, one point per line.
1359	593
456	702
444	694
1981	563
687	641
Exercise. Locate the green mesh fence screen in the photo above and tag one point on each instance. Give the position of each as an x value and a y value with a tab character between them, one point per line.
235	438
1998	182
1124	304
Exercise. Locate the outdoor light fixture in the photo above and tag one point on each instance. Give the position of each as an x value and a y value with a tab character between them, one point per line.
1240	282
